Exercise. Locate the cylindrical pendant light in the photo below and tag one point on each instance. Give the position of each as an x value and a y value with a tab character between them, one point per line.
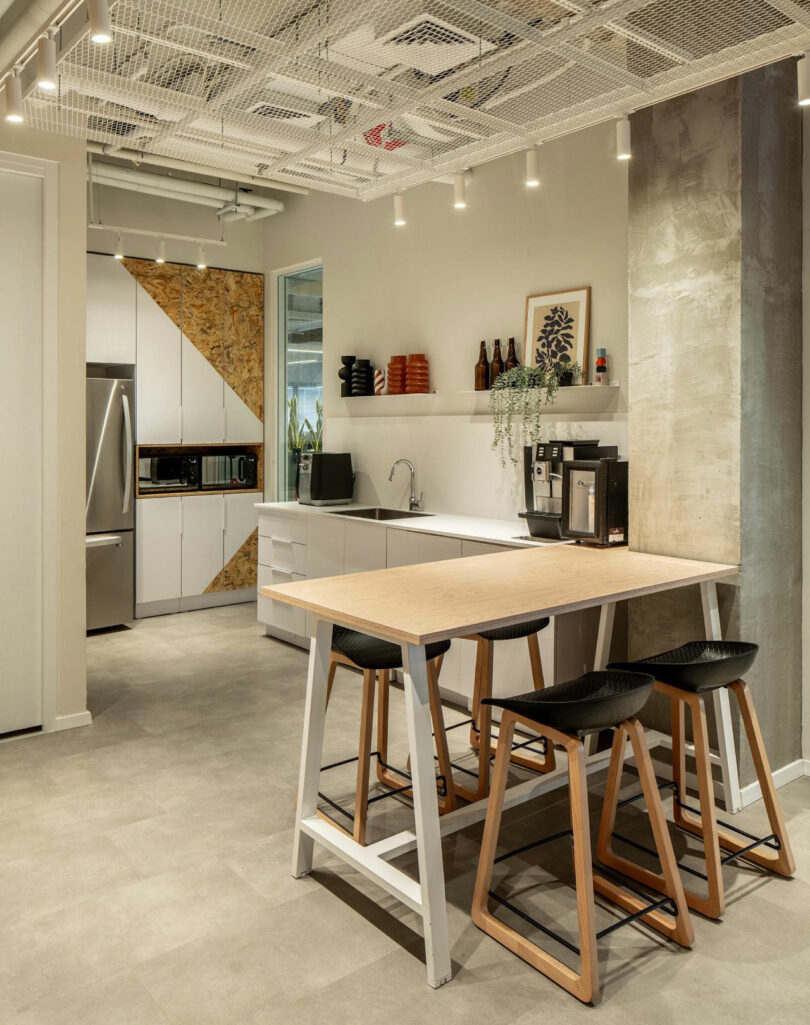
161	251
532	174
46	63
803	79
623	151
119	247
14	103
399	210
99	13
459	191
201	264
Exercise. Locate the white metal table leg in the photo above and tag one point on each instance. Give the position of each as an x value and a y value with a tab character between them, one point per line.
426	814
601	657
312	745
722	706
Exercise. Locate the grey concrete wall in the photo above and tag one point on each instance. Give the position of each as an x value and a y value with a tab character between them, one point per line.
715	373
771	359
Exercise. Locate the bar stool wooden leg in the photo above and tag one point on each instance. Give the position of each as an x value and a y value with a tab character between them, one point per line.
482	719
333	664
678	928
364	759
383	692
782	862
583	984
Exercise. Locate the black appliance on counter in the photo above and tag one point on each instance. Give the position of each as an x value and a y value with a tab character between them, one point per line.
594	501
543	479
224	470
168	473
325	478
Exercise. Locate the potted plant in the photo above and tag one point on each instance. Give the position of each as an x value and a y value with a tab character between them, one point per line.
298	435
520	394
567	373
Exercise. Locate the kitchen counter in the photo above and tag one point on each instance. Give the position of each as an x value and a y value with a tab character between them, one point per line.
466	528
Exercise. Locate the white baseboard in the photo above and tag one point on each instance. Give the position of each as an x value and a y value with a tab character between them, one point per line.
70	722
781	777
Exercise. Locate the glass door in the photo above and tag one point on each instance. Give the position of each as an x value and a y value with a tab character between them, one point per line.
300	348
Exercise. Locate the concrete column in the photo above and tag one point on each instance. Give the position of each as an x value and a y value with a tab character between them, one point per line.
715	372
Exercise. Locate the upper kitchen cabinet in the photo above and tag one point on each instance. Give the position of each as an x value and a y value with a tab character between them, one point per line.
197	338
110	311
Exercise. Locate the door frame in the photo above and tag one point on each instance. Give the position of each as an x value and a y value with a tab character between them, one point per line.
48	172
274	403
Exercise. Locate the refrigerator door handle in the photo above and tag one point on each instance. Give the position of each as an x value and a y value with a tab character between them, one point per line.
128	440
104	541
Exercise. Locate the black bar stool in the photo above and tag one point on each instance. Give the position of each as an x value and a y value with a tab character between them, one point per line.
564	714
524	752
685	675
375	659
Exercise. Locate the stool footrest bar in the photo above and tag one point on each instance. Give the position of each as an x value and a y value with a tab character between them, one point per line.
533	844
528	918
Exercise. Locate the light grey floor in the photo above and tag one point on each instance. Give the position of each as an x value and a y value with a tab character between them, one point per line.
144	872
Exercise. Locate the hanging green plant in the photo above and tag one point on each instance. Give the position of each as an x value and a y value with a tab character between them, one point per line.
520	396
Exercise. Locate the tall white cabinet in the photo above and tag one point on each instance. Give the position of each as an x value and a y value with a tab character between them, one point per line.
157	375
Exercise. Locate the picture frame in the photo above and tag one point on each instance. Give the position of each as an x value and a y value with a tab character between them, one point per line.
557	329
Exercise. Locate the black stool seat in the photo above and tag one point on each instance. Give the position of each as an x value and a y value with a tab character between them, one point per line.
698	665
594	701
372	653
516	631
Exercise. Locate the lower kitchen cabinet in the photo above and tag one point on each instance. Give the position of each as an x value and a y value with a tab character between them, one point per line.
195	551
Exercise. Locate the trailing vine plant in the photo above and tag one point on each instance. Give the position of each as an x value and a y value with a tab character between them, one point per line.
519	397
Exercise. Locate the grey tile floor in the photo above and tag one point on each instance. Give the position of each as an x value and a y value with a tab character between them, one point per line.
144	872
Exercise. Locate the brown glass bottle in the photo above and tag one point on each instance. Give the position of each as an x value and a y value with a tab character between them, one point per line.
511	356
482	370
496	366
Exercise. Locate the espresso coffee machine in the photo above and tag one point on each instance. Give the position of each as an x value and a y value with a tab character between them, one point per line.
543	480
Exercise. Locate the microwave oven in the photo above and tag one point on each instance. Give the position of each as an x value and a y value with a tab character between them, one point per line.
594	501
237	470
168	473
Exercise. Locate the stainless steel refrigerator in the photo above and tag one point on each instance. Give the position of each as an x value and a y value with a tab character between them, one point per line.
110	503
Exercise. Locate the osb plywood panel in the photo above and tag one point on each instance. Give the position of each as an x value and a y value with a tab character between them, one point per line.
215	586
202	312
243	342
240	570
162	281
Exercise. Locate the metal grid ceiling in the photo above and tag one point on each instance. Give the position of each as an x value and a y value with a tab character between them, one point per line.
366	97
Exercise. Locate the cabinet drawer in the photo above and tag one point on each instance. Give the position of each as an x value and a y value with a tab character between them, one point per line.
285	528
276	613
288	556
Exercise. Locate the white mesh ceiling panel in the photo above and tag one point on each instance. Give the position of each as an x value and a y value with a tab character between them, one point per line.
367	97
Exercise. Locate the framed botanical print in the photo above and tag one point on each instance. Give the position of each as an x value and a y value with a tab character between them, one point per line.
557	328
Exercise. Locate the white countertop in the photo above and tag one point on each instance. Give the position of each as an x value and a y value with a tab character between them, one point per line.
468	528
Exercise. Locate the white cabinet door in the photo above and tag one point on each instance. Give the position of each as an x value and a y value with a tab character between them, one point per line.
203	395
203	525
157	373
408	547
241	423
110	311
241	519
365	547
157	549
325	545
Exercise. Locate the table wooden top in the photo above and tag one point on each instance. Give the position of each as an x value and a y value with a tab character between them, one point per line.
437	600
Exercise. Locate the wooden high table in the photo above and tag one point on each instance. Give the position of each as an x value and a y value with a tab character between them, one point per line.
415	605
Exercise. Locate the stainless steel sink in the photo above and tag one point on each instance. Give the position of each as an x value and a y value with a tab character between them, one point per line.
377	513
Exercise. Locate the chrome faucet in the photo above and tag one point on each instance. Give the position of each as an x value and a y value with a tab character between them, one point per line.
414	502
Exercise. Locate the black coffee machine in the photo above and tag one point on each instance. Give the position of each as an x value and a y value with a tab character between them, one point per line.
543	481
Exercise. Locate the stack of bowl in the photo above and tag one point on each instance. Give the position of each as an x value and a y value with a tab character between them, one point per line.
396	375
417	374
362	378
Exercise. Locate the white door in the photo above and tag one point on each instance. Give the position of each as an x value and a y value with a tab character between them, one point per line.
241	424
203	526
241	519
21	413
110	311
157	549
203	399
157	393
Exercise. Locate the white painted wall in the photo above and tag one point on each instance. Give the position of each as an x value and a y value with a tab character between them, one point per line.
806	445
68	155
444	282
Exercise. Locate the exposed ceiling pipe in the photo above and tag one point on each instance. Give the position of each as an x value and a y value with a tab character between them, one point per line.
183	191
140	157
